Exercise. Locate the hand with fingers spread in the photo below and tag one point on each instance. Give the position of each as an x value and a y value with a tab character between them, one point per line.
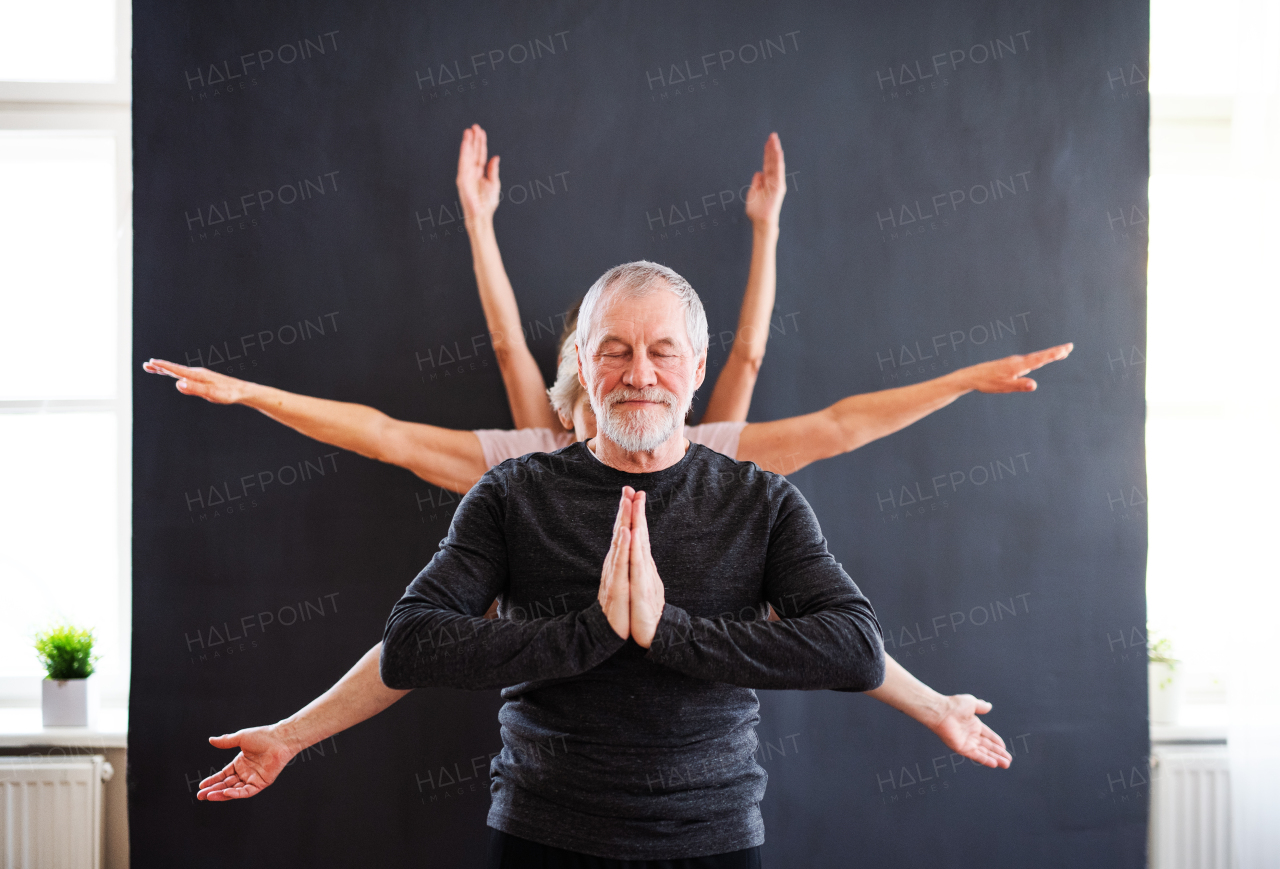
961	730
263	756
769	185
648	597
478	186
201	382
615	591
1008	374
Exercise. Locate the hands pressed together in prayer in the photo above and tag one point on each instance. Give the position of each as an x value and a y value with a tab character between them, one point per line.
631	592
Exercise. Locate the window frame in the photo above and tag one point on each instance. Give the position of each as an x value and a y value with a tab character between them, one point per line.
60	106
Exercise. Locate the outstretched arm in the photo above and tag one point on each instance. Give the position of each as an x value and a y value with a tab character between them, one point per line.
478	191
954	719
266	751
787	445
731	397
449	458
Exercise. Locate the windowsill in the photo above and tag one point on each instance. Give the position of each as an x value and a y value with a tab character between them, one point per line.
20	727
1201	723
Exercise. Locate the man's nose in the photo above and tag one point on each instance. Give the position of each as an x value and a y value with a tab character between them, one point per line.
640	373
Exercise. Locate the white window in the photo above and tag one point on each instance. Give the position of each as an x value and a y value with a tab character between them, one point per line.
1213	406
65	332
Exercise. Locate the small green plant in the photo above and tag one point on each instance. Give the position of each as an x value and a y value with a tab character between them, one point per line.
1161	652
66	652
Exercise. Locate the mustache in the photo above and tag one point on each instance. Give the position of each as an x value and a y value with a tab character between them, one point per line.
651	393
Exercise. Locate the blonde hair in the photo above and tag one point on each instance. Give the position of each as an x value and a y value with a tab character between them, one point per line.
567	390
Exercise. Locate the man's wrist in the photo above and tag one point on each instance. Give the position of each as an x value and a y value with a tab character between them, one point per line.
290	732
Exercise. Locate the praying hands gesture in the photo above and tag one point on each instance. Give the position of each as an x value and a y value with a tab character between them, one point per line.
631	592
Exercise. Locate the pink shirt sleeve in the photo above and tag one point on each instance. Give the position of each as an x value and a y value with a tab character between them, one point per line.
502	444
719	436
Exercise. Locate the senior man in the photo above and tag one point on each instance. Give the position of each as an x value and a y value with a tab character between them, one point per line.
651	630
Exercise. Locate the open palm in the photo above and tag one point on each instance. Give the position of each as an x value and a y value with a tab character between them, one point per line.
965	734
769	185
262	757
478	186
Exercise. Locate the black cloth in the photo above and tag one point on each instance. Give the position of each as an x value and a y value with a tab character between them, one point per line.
609	749
511	852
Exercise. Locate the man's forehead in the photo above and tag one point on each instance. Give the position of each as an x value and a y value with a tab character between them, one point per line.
658	313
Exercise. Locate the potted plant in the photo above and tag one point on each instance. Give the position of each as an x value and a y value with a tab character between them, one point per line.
68	695
1164	682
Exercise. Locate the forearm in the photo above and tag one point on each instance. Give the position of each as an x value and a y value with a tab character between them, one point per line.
731	398
348	426
863	418
909	695
357	696
839	647
426	645
526	390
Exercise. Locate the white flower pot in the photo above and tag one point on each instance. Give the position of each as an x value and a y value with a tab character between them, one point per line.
69	702
1164	686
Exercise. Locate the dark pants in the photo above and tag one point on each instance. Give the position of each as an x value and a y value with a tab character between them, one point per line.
511	852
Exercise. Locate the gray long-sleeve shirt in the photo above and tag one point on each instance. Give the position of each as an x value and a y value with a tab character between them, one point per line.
611	749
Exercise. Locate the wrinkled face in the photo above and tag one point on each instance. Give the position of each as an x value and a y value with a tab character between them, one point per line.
640	372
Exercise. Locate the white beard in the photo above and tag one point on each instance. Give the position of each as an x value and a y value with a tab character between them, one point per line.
639	430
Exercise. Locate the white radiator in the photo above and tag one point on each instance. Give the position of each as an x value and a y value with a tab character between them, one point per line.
1190	807
51	812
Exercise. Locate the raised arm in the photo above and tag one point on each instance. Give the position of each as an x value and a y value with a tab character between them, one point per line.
449	458
731	397
478	191
266	751
787	445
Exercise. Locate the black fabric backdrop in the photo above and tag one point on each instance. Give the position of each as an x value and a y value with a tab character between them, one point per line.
968	180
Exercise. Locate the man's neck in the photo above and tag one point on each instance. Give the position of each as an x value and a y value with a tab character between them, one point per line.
666	454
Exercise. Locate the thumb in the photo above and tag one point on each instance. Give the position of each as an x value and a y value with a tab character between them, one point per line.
227	740
1026	384
982	707
492	172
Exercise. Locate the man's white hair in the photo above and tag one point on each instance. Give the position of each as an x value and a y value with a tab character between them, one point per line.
634	280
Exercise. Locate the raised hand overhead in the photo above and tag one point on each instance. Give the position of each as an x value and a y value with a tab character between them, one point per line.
731	398
769	185
479	189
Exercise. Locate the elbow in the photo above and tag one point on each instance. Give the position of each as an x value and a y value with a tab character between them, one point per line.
391	667
750	358
868	667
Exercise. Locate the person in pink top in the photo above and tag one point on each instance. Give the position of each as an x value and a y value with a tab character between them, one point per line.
456	459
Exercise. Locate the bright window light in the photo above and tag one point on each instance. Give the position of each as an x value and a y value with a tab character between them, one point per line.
58	244
58	40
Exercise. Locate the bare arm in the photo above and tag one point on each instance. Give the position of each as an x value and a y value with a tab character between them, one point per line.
953	718
449	458
787	445
478	192
265	751
731	397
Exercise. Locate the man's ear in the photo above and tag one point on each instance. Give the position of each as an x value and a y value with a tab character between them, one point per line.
565	421
577	351
701	373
